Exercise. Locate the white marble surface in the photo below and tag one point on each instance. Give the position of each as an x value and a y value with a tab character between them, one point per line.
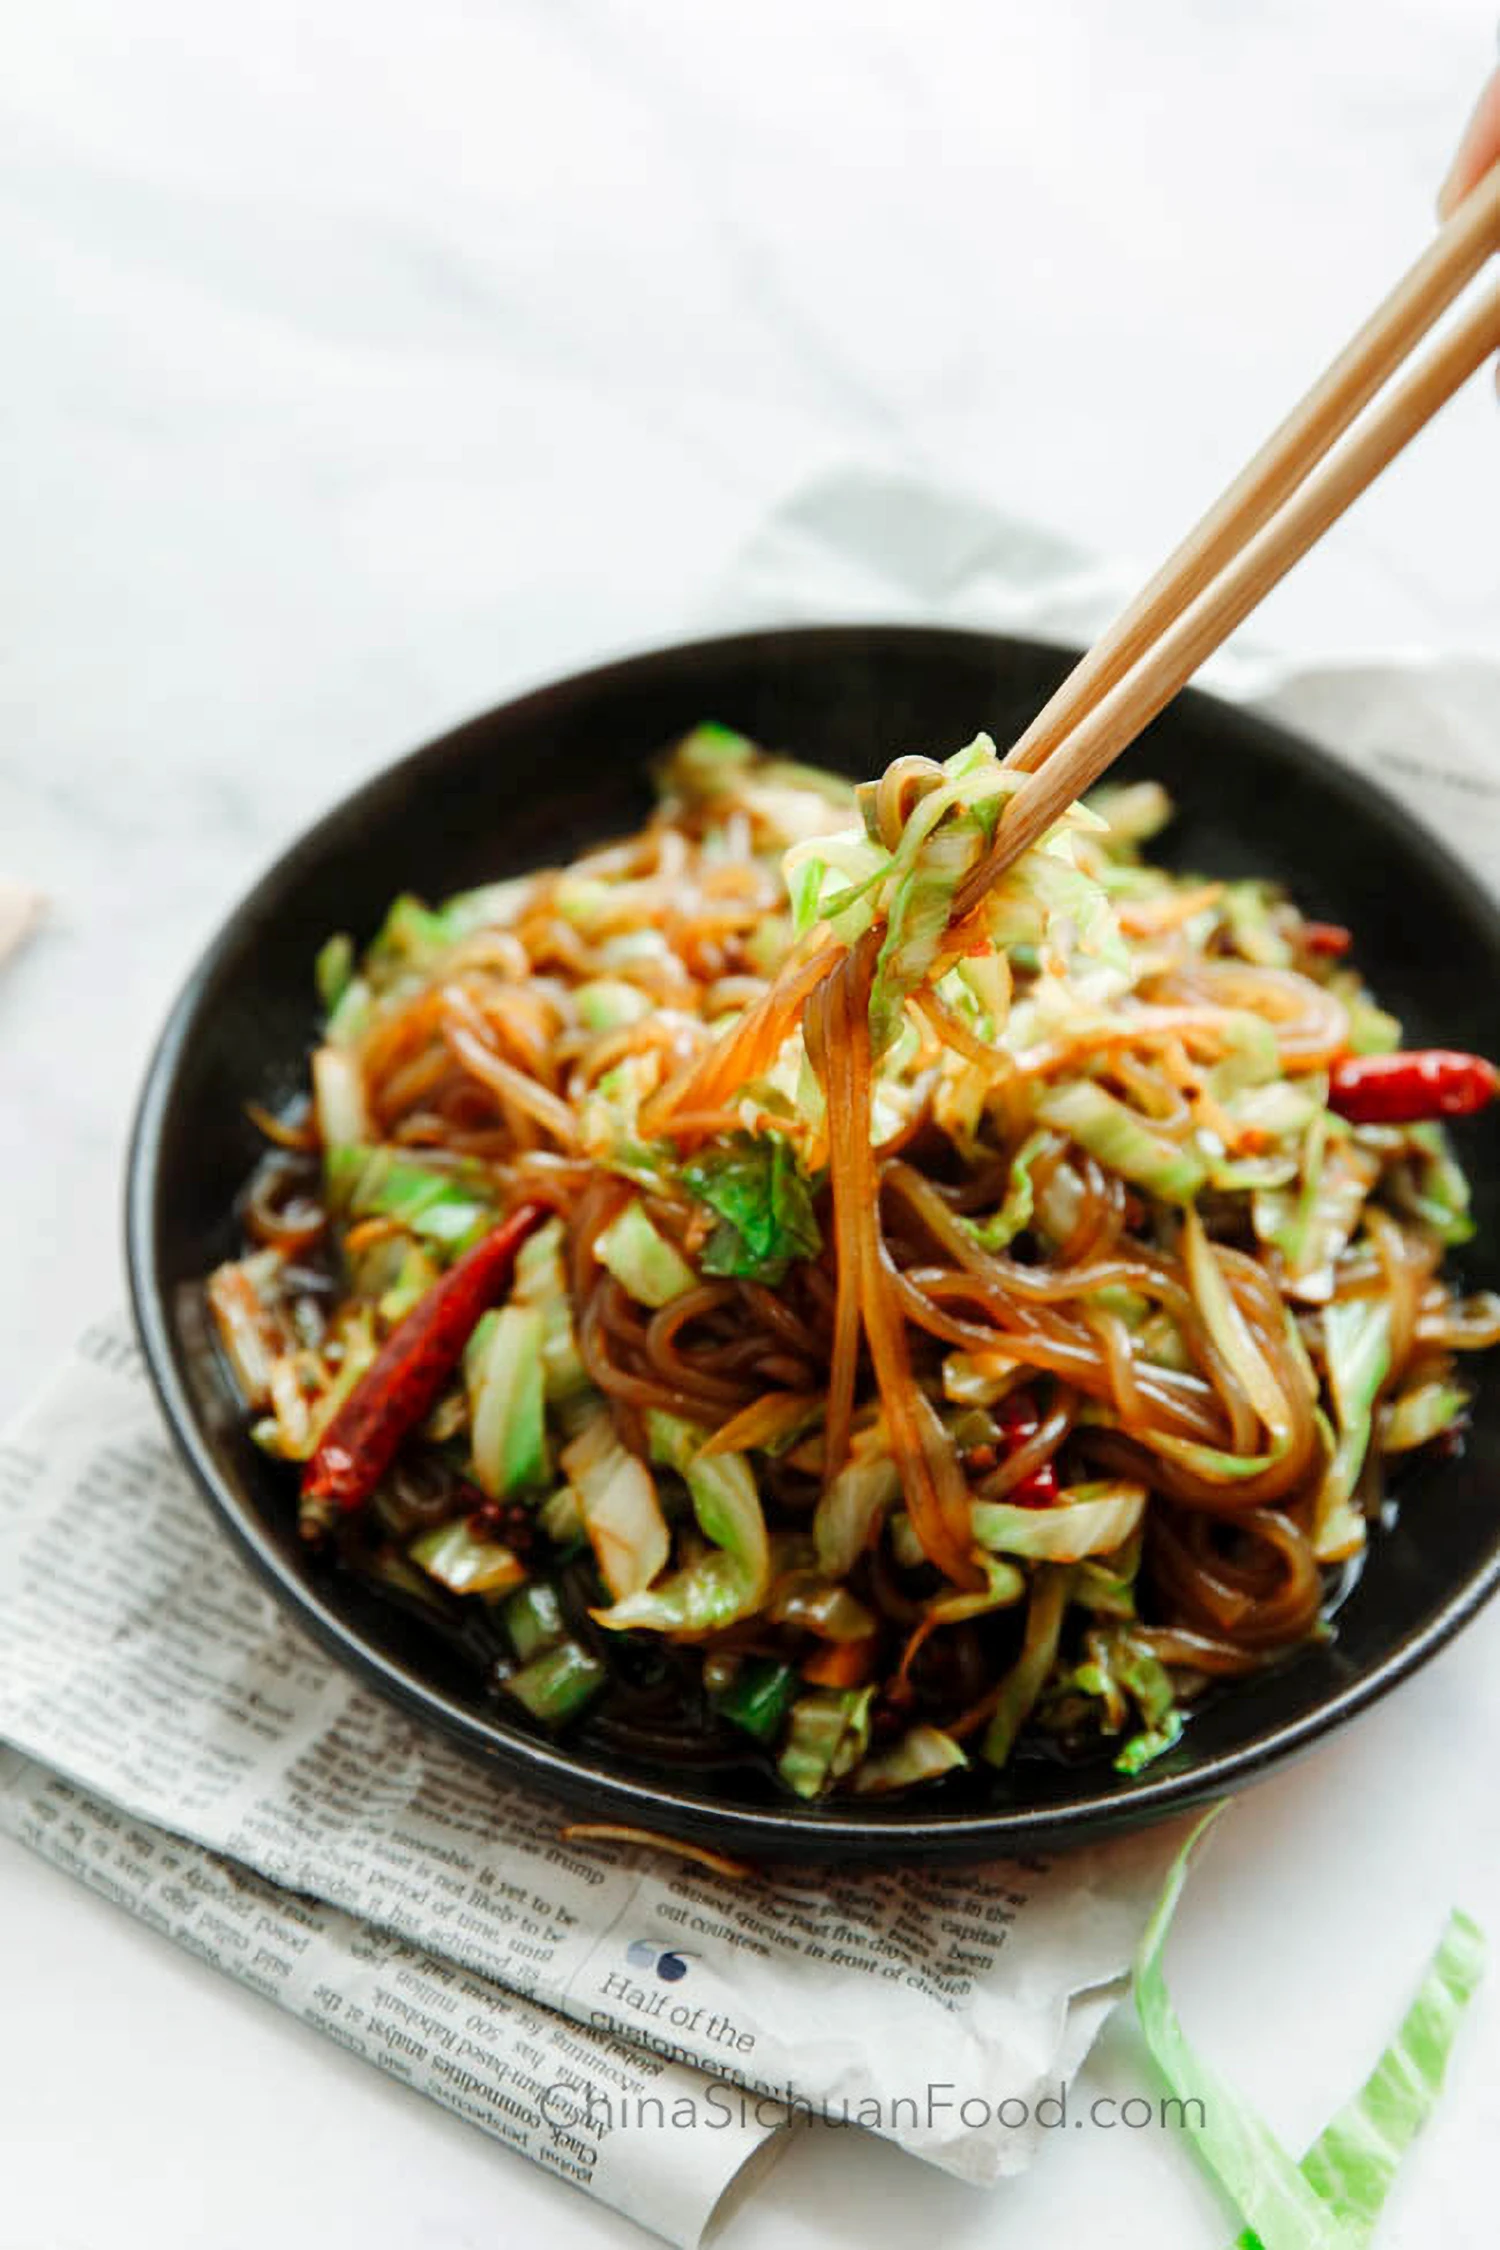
363	362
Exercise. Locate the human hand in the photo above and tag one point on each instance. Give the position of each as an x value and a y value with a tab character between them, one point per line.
1477	151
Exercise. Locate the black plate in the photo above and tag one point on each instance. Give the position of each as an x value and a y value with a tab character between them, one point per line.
537	779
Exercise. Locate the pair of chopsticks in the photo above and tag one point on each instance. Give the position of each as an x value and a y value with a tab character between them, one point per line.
1277	507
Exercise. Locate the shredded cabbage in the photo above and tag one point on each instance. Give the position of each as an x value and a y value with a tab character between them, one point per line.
333	970
1019	1201
1422	1414
449	1209
466	1565
541	1282
1314	1226
861	1492
507	1422
1024	1682
1439	1194
732	1579
1357	1340
1333	2198
618	1505
827	1732
1227	1326
921	1754
339	1097
1098	1121
1084	1519
642	1260
1132	812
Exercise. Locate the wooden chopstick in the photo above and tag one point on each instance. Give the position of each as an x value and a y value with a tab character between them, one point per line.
1118	716
1314	425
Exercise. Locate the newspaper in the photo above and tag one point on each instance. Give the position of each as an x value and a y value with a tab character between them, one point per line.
517	2070
641	2028
643	2031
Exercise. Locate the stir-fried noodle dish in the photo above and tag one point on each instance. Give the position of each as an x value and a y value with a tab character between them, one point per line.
775	1291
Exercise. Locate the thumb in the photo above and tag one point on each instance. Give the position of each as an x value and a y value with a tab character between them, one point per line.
1477	151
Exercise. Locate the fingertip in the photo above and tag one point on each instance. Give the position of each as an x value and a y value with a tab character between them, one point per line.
1477	151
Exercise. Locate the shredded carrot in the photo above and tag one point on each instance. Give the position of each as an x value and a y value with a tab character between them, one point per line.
841	1664
1129	1026
702	1124
367	1232
763	1422
749	1047
1153	917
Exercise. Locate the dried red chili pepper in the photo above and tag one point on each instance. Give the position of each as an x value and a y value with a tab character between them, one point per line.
1328	939
1404	1089
1019	1422
405	1379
